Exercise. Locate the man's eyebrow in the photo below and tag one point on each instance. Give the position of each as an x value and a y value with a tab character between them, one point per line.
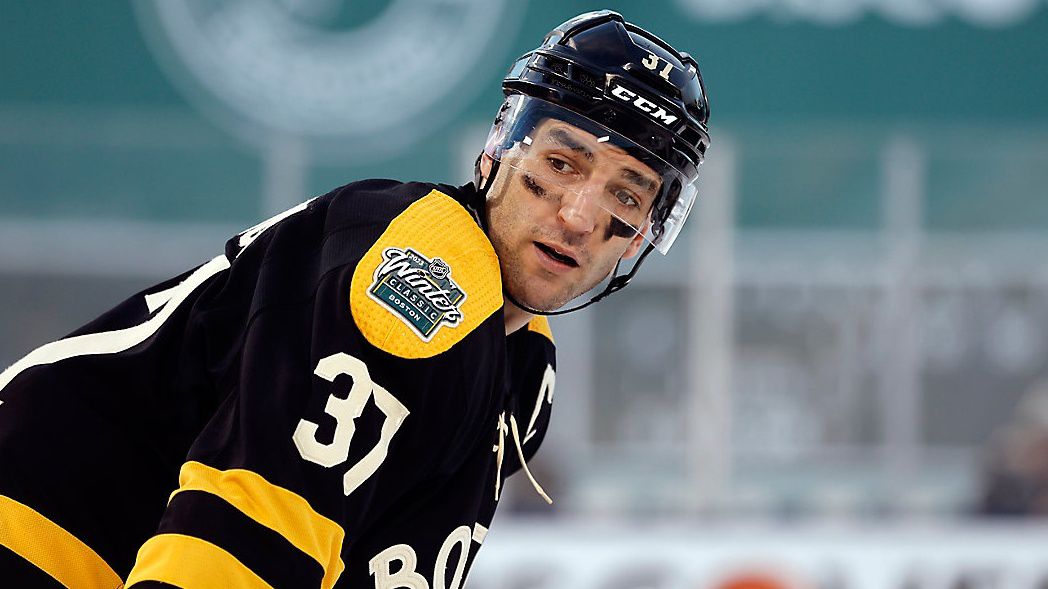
640	180
562	137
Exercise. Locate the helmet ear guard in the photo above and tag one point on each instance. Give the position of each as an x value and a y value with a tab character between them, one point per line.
495	142
661	209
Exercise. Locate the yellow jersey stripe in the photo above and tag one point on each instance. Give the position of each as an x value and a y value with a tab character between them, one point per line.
192	563
52	549
276	508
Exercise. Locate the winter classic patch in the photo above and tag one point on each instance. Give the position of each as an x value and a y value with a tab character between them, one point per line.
419	290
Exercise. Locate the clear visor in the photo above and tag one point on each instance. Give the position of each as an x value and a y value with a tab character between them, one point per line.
607	178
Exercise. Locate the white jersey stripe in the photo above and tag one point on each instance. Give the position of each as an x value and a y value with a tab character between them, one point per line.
112	342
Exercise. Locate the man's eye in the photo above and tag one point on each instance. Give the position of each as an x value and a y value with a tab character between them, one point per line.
560	166
627	198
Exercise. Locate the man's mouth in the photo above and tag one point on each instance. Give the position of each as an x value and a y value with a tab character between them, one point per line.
556	255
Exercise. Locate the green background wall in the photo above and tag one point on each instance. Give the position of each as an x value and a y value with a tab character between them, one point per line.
90	125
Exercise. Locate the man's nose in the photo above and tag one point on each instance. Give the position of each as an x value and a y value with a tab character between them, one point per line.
579	210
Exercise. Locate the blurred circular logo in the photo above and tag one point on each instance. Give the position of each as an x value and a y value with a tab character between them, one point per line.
363	79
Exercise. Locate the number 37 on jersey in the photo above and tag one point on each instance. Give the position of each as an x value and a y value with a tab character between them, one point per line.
345	412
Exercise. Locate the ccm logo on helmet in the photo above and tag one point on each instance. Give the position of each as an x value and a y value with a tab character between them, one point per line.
650	108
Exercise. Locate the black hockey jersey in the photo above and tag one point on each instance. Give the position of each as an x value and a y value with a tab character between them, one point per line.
333	402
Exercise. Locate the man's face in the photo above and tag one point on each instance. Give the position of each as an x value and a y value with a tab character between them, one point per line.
563	210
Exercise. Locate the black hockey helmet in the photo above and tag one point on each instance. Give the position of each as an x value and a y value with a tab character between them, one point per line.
600	69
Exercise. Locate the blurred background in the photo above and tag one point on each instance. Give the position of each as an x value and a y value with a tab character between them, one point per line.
838	378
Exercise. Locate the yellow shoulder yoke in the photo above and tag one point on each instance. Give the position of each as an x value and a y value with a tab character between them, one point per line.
428	281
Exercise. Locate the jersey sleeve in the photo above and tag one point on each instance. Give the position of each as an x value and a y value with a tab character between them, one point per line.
357	373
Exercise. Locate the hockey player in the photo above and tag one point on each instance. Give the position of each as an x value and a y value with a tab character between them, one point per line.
337	399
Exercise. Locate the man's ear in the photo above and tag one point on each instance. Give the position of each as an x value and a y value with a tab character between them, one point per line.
486	163
633	247
636	242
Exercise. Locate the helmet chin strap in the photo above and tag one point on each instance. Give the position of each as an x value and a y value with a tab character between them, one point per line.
614	285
